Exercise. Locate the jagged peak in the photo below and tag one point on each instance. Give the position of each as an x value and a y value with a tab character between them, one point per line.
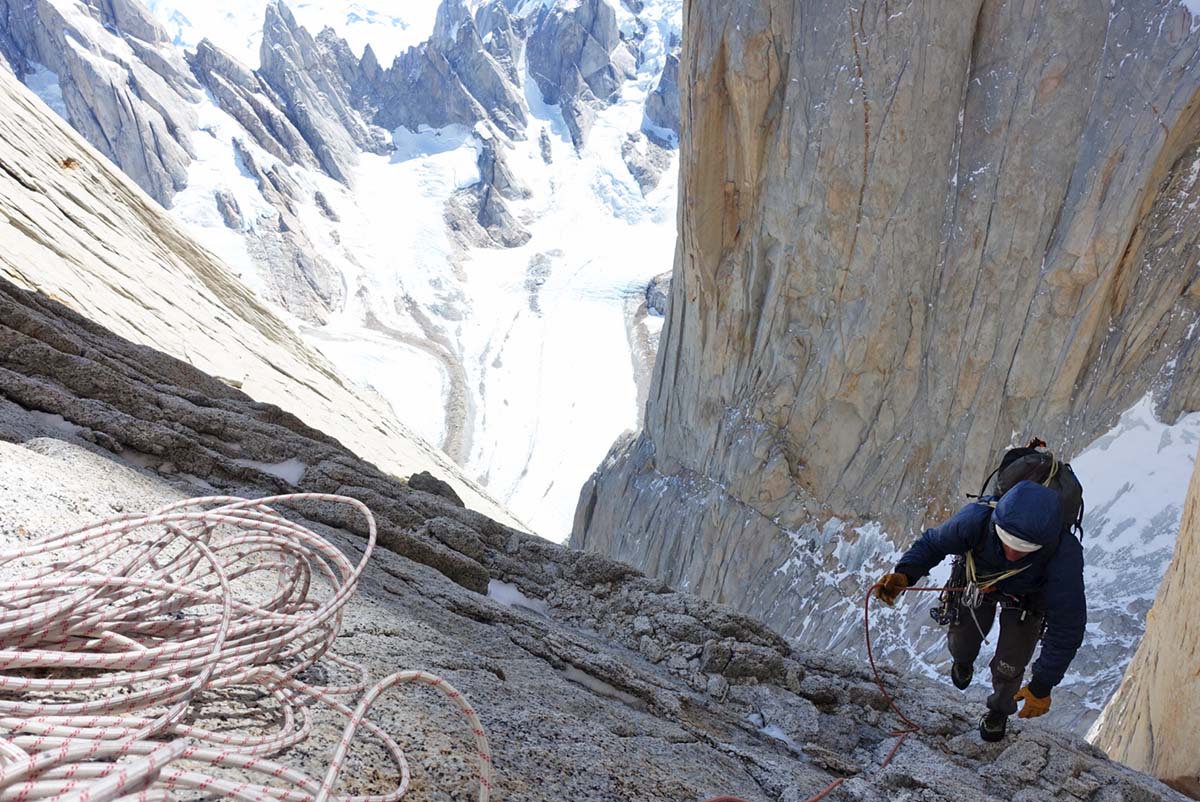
132	18
216	59
279	23
452	17
370	63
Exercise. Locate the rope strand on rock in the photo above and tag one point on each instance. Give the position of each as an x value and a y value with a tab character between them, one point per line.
115	633
899	734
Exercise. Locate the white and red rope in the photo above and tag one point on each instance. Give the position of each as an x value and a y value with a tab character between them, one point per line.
112	635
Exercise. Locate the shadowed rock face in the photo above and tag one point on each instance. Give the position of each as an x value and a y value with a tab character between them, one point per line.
662	104
907	232
1150	723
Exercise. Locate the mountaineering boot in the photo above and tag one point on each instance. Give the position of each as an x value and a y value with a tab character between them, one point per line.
960	675
993	726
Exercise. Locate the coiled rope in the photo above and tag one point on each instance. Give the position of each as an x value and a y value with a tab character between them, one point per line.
115	635
900	733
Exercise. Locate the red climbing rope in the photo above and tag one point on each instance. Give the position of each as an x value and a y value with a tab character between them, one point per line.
900	734
912	725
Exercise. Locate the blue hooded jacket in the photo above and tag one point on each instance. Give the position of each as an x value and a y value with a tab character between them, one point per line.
1054	578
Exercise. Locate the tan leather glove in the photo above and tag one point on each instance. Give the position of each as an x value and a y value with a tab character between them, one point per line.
890	587
1034	705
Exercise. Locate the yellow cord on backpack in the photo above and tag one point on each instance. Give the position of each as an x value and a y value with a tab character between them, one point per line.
1054	463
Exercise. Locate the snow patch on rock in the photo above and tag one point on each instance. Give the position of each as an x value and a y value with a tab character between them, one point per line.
511	596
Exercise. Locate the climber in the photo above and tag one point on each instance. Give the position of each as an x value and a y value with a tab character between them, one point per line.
1019	557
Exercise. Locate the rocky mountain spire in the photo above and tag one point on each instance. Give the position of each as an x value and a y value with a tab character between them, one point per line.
1150	723
245	96
122	84
453	78
578	60
314	94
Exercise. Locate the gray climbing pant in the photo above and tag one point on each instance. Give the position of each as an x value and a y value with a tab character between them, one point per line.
1018	640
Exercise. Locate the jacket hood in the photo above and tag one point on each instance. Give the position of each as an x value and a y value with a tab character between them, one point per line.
1031	512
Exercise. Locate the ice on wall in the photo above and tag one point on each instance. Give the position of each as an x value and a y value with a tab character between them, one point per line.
1135	479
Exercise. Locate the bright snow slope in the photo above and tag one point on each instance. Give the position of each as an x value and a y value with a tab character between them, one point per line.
544	380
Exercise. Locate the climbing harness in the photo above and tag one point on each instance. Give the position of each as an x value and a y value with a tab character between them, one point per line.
968	590
901	732
978	585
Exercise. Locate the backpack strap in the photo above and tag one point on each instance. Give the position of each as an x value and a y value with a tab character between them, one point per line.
983	489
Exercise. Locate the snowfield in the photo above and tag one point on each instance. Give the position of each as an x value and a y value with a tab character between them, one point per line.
516	361
389	26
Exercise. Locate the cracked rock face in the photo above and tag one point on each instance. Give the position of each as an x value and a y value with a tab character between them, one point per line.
78	234
906	233
124	86
578	60
1150	722
595	682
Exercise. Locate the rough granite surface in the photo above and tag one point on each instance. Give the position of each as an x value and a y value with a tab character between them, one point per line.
1150	723
596	683
909	233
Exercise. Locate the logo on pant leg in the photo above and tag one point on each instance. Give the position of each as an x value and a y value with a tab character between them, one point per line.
1007	669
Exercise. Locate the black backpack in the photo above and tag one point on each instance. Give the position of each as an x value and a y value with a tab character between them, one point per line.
1035	464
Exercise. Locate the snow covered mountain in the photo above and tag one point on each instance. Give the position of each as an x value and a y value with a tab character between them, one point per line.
77	231
461	204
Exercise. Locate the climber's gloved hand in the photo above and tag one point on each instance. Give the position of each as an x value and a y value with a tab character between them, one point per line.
1034	705
890	587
